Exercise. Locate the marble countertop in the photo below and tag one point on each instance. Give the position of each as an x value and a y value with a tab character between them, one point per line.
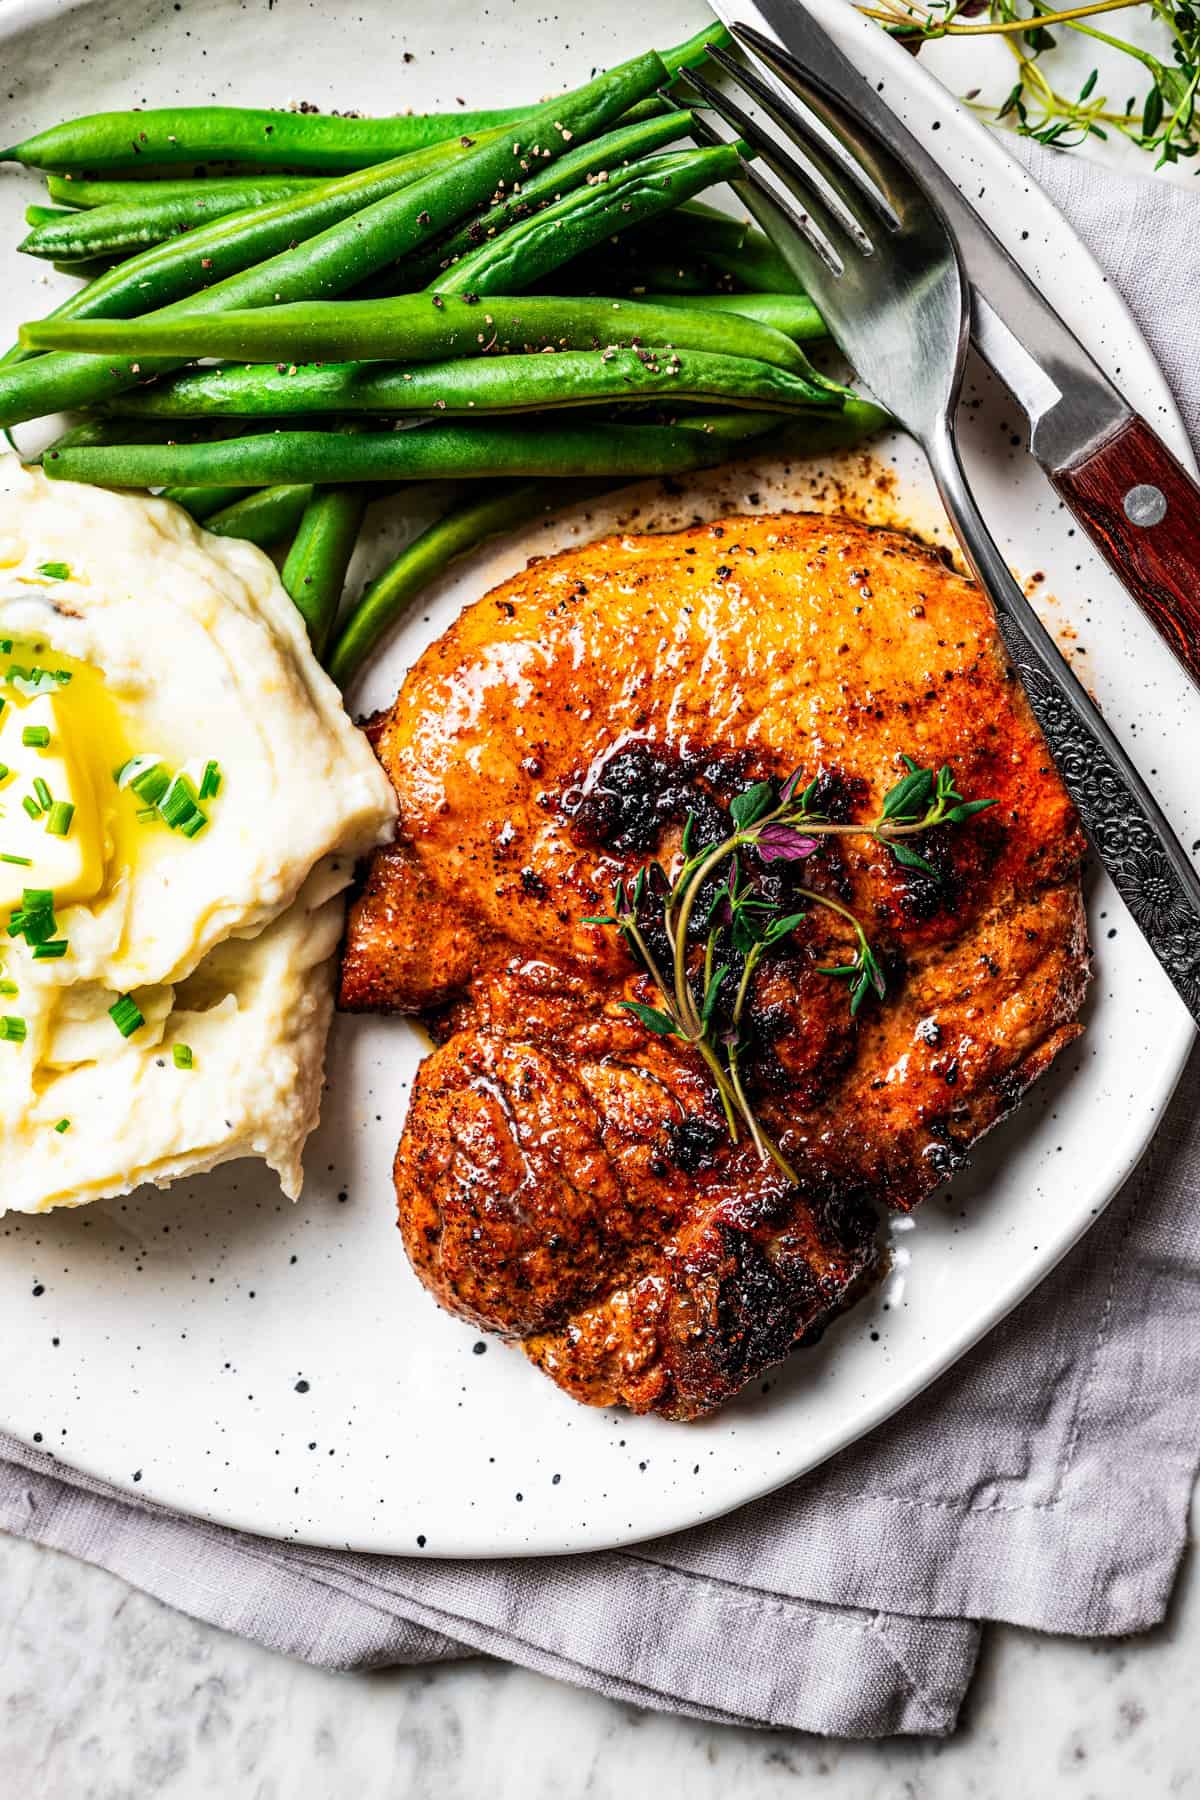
107	1695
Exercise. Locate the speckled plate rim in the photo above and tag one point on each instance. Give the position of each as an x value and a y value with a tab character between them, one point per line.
910	87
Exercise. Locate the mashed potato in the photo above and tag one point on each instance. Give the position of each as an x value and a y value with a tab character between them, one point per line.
182	799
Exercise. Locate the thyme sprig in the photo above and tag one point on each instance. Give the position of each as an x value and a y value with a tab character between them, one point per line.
1164	122
715	898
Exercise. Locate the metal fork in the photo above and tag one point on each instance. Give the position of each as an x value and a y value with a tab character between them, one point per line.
870	247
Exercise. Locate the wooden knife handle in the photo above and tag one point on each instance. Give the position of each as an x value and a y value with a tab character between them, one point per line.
1142	510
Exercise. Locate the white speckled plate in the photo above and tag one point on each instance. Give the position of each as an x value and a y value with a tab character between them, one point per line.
278	1368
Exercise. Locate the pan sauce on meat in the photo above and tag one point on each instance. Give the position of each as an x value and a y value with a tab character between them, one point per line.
565	1177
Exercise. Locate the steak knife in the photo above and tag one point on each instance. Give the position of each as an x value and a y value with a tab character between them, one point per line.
1135	500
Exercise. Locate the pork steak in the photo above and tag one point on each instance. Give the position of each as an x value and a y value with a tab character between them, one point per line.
566	1177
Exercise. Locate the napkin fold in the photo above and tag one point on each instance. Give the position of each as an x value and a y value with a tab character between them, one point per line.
1044	1480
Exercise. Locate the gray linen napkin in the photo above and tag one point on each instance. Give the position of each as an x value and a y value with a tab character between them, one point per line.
1045	1480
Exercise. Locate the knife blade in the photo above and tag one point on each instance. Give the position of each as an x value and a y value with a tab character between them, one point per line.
1138	504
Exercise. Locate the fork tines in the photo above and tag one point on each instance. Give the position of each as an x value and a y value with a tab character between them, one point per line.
840	206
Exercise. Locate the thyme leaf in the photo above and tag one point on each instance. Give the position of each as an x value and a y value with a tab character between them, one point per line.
1165	123
707	1007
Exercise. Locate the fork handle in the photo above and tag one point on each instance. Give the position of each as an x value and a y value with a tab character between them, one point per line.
1149	867
1141	509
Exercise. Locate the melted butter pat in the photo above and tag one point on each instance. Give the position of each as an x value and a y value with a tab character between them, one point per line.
91	735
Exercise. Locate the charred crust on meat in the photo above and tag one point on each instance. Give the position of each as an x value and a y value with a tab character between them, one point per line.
694	1143
628	798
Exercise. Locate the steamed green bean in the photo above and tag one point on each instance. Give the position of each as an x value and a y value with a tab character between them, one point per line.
480	385
430	452
533	247
266	518
81	192
419	328
122	227
314	573
328	143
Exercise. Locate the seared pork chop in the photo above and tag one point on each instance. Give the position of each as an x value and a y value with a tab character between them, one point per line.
566	1177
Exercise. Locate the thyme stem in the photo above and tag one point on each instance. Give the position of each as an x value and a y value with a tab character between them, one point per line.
776	826
933	28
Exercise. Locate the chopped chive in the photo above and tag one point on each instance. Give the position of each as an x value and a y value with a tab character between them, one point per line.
34	919
127	771
147	777
179	808
182	1056
151	785
8	989
61	814
63	1125
126	1016
31	806
210	781
54	571
35	737
6	645
22	862
145	814
45	798
50	951
5	771
12	1030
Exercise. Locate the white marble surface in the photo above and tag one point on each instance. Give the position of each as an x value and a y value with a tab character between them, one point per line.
106	1695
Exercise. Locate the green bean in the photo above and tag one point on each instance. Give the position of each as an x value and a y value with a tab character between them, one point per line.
858	419
266	518
226	246
694	249
479	385
430	452
533	247
315	571
420	328
125	226
345	253
792	314
163	136
500	508
201	503
100	430
45	215
730	246
78	191
90	270
324	143
595	160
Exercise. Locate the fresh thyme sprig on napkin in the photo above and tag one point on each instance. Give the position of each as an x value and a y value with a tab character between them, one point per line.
1164	121
772	823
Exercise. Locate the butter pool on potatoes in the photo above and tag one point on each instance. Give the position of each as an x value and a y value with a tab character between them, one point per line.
126	632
